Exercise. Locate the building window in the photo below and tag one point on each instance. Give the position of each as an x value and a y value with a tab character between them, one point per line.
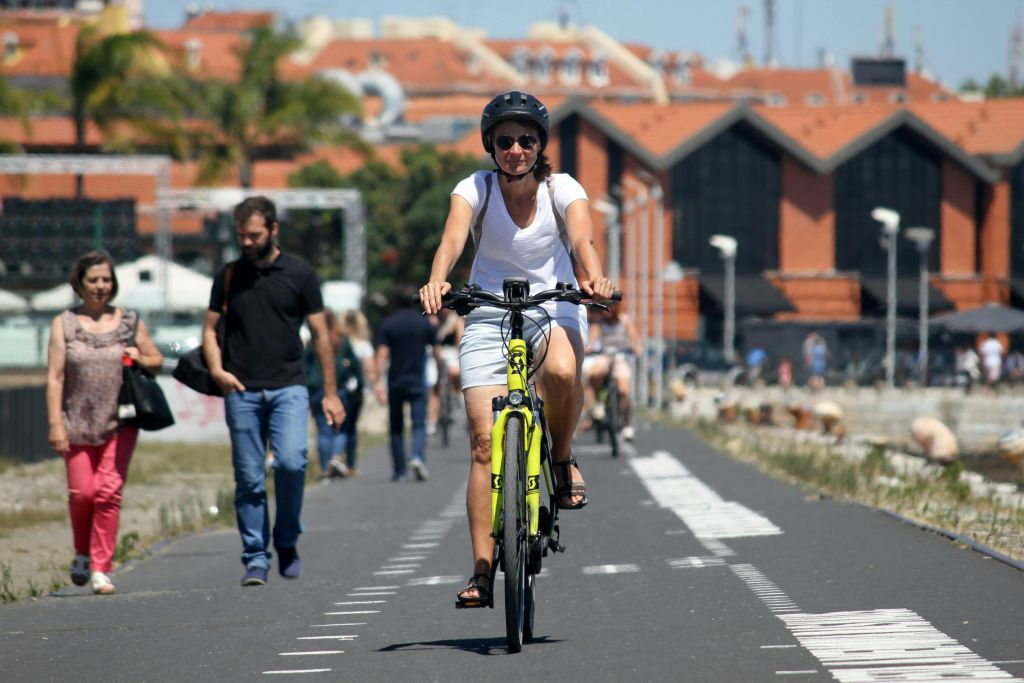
568	131
940	97
859	98
571	69
900	172
815	99
898	97
1016	222
776	99
542	66
731	185
658	60
597	72
682	73
521	60
193	52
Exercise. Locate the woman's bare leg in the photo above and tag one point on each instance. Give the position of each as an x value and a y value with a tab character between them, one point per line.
562	389
478	488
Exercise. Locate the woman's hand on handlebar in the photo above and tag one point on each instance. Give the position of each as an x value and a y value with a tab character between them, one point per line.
431	293
598	289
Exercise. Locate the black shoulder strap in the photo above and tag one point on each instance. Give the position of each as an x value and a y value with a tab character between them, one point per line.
478	226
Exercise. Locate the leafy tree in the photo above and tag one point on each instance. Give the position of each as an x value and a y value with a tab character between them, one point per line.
996	87
260	110
405	212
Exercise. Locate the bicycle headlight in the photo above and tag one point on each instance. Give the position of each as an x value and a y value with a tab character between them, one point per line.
515	398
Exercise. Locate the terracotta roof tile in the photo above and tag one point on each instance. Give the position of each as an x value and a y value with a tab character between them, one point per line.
218	52
46	48
618	79
229	22
989	127
823	131
661	128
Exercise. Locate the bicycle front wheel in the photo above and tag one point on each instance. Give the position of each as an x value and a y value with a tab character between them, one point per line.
514	531
614	416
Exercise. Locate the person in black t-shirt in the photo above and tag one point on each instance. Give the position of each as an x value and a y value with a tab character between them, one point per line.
260	371
402	339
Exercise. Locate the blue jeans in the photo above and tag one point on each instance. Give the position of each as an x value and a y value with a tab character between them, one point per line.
416	397
346	440
279	416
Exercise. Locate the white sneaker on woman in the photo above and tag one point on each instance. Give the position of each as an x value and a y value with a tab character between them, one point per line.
101	584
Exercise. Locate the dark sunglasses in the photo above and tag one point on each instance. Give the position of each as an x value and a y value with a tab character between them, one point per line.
505	142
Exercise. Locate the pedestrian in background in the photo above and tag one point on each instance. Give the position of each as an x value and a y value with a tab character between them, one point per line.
401	340
358	370
816	360
992	359
87	345
260	371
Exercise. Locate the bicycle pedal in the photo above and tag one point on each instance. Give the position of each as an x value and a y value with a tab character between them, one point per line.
555	546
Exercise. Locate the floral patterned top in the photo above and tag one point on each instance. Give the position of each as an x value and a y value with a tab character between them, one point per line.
92	378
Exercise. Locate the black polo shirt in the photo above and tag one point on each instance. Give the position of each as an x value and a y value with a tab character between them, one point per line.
407	334
266	307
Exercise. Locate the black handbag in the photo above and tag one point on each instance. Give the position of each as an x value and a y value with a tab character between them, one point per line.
141	402
191	369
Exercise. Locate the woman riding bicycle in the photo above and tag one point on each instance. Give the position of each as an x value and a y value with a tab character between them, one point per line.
612	336
517	234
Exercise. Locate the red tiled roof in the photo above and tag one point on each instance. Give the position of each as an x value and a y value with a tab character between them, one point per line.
618	78
835	87
823	131
46	48
218	52
419	65
661	128
229	22
989	127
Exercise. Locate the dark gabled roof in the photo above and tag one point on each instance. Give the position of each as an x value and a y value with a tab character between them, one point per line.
755	296
874	294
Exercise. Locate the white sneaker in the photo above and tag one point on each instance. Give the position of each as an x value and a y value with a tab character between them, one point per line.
101	584
337	468
419	468
80	570
598	412
628	433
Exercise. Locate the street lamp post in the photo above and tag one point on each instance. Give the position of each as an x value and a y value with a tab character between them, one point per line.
726	246
922	239
657	195
890	221
613	233
673	274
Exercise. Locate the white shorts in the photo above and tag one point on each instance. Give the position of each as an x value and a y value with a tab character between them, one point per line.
482	351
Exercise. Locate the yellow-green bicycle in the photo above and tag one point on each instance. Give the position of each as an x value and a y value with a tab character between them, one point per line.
524	530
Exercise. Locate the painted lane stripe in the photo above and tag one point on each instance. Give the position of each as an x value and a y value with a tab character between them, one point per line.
376	588
354	623
326	637
716	547
365	611
409	565
705	512
806	672
417	546
311	652
768	592
360	602
407	558
370	593
696	562
776	647
394	572
296	671
435	580
611	569
887	644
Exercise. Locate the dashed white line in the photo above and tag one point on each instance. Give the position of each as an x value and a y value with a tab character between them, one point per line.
776	647
764	588
611	569
340	614
806	672
412	565
377	588
368	593
360	602
407	558
417	546
311	652
354	623
393	572
435	580
297	671
326	637
696	562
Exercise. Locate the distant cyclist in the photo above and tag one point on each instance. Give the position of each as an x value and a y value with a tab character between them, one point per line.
516	215
612	336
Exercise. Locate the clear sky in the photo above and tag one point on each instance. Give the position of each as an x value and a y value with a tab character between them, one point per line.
961	38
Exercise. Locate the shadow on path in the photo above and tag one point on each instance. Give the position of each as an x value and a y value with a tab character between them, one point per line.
479	646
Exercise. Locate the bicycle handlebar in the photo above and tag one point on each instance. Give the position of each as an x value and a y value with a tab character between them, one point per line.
464	300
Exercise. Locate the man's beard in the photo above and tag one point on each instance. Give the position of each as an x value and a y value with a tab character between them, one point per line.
259	253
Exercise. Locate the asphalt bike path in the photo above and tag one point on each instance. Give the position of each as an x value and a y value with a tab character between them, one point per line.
686	565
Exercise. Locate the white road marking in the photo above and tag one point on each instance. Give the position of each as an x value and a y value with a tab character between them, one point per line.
887	644
763	588
311	652
326	637
677	532
366	611
354	623
376	588
611	569
407	558
361	602
695	503
776	647
297	671
796	673
416	546
394	572
716	547
696	562
367	593
410	565
435	580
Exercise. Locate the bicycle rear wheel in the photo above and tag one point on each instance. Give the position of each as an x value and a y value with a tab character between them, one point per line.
445	419
614	416
514	531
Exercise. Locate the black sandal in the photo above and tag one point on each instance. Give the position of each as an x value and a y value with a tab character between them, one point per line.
569	489
483	597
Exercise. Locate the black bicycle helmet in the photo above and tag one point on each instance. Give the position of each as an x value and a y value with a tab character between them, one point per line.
514	105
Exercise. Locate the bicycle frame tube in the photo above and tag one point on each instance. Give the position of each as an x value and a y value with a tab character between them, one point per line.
531	433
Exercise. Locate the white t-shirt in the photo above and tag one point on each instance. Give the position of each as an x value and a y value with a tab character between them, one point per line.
535	252
992	352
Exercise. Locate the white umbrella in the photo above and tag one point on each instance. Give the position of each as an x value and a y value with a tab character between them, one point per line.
12	303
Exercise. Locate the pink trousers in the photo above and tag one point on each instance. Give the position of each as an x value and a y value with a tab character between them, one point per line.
95	480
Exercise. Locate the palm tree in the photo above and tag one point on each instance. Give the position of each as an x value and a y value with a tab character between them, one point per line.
16	103
262	110
118	78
